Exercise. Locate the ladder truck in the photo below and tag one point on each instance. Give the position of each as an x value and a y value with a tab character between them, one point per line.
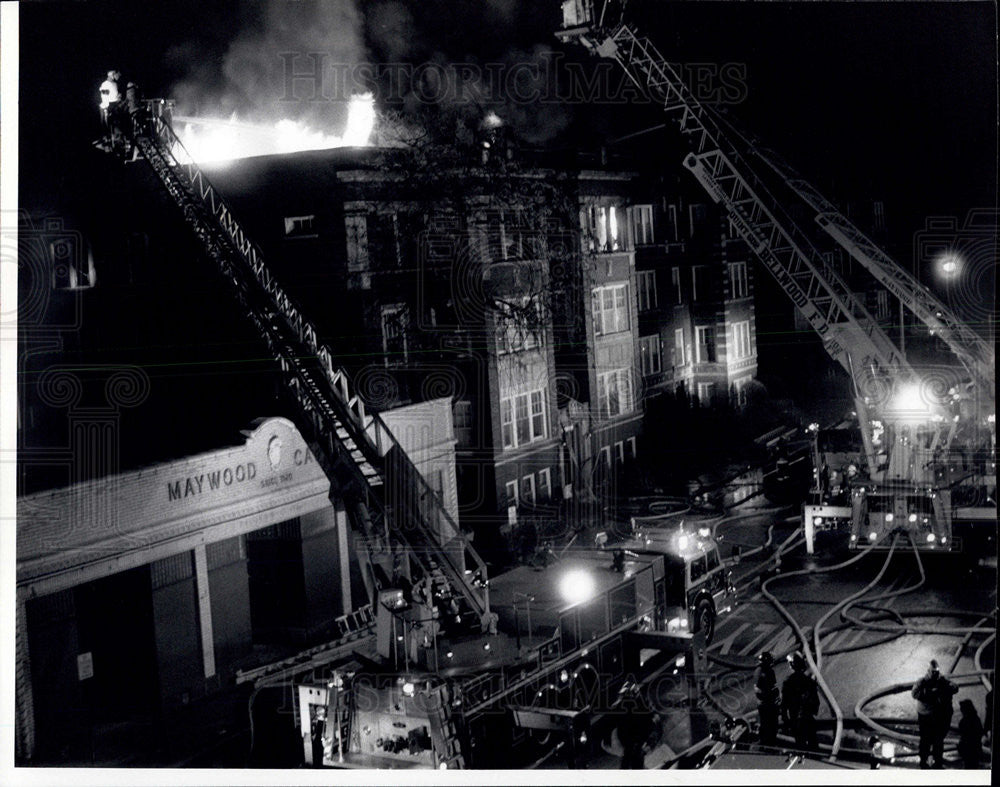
462	669
902	474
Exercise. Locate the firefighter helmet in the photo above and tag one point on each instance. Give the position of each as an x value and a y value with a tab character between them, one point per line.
798	661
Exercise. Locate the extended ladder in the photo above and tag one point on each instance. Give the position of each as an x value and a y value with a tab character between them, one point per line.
389	500
849	332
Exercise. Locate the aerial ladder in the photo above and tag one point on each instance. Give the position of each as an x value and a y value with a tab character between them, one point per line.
896	489
404	524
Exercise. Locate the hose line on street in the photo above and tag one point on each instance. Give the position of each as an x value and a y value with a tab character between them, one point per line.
827	693
818	626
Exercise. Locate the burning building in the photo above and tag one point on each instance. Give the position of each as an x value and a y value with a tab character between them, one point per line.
515	299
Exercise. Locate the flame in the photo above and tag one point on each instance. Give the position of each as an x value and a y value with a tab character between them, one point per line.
217	140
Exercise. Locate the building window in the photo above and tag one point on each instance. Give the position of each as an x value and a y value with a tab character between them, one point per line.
742	390
528	489
696	213
632	448
604	456
649	355
507	423
699	272
680	356
738	279
602	228
706	392
72	269
519	325
395	327
704	347
646	285
610	306
642	224
300	226
675	278
620	452
881	304
614	392
538	430
879	210
545	484
511	488
672	221
523	419
356	227
462	412
741	340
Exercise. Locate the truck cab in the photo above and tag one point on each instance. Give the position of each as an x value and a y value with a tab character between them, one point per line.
698	586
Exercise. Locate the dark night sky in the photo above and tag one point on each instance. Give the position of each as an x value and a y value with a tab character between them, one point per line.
891	100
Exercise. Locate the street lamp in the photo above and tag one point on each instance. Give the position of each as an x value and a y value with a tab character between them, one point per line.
949	264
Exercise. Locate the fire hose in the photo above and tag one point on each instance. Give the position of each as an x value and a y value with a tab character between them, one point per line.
827	693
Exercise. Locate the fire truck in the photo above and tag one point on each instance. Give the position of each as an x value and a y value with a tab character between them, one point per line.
927	435
698	584
569	635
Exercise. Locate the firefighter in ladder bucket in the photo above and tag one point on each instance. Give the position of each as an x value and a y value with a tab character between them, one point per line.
110	105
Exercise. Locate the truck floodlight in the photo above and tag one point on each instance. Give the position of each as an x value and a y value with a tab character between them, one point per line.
913	517
889	517
944	539
683	542
908	399
680	661
443	766
854	536
931	538
409	689
704	532
563	676
576	586
873	536
818	520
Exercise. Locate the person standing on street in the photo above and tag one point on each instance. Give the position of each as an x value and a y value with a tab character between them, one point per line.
970	735
933	694
768	700
635	726
800	703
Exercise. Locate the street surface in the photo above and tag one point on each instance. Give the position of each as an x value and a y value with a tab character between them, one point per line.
919	619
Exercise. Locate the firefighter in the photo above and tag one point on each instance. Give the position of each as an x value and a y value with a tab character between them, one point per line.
110	97
970	735
933	694
988	715
110	104
800	703
635	727
768	699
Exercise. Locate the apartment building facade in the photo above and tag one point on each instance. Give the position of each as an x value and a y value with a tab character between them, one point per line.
548	330
695	299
